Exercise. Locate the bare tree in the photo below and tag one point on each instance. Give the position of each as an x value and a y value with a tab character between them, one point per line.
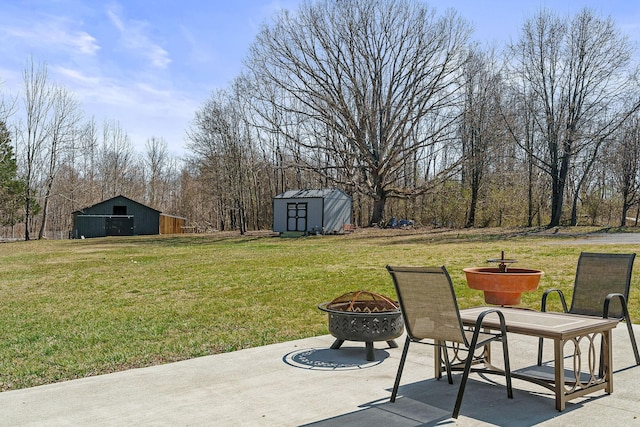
86	152
624	163
577	72
61	131
221	153
155	160
116	164
38	103
479	128
364	77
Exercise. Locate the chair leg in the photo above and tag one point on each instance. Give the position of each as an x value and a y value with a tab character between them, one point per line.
447	362
632	337
463	383
507	366
396	384
540	341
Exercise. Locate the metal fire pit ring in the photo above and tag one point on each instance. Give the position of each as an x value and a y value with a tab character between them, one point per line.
364	326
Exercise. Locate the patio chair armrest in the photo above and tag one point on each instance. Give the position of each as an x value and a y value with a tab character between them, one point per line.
546	293
623	303
480	319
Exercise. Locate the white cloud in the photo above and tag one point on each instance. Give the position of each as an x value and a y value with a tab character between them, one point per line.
142	108
115	20
133	35
54	33
86	43
76	76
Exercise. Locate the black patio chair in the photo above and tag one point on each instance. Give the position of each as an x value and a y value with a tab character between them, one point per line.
601	279
430	311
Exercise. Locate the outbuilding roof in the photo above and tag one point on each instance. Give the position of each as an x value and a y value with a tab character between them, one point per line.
81	211
308	194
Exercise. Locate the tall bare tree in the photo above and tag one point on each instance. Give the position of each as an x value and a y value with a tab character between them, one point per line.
156	163
219	140
85	156
624	163
373	82
117	161
479	124
38	102
61	131
577	70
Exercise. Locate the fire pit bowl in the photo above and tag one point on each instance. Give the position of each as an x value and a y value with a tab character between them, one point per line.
364	316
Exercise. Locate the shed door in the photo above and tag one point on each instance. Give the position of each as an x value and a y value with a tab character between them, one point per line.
296	217
119	226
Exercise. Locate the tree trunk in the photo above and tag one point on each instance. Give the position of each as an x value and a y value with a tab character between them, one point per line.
377	214
558	187
471	219
27	214
45	208
556	204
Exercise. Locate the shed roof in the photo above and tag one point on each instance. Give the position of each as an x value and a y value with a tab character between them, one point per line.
309	194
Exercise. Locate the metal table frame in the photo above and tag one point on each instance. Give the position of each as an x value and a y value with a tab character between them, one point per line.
562	329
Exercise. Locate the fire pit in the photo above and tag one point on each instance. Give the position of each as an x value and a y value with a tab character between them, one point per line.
364	316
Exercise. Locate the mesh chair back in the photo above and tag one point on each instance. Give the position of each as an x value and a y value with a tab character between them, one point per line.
597	276
428	303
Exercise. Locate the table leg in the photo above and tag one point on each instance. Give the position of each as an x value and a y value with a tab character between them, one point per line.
558	356
608	359
486	352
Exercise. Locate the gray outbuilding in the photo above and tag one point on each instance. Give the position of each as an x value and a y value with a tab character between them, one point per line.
118	216
324	211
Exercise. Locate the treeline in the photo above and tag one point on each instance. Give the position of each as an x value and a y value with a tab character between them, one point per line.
384	99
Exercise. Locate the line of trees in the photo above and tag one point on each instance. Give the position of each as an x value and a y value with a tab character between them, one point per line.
384	99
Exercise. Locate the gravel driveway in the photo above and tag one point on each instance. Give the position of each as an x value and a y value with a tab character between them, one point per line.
604	238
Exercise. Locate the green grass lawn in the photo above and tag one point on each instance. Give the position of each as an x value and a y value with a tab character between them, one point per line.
75	308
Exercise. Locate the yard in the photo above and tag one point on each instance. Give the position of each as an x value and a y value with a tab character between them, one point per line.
75	308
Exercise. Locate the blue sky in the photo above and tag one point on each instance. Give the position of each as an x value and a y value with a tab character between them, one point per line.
150	64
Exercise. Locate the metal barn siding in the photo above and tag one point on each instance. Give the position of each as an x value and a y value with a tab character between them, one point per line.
337	211
118	216
311	211
89	226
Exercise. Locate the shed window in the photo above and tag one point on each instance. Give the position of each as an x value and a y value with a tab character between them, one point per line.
119	210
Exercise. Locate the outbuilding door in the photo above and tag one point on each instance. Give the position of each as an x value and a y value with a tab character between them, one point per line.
119	226
296	217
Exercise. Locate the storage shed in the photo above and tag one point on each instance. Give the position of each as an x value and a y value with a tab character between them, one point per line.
121	216
311	211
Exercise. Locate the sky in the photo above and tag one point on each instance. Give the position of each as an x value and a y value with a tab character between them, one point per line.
151	64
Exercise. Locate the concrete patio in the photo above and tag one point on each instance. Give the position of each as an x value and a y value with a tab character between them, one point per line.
305	383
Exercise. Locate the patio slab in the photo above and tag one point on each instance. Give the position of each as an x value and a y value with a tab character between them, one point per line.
304	382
